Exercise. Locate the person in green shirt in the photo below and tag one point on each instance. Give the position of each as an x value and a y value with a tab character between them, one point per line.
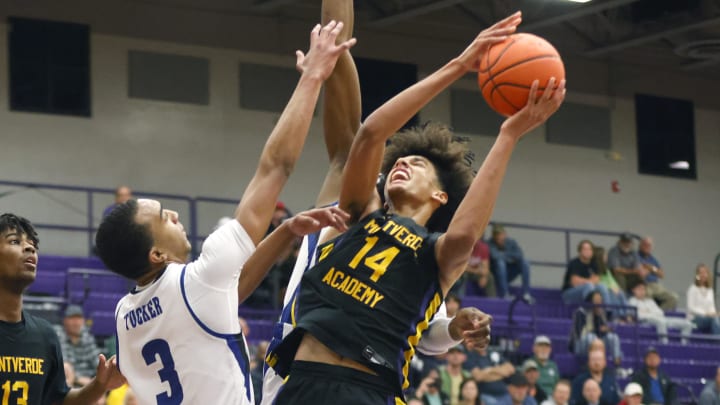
549	374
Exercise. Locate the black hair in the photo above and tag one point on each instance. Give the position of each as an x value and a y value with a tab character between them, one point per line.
450	157
122	243
21	225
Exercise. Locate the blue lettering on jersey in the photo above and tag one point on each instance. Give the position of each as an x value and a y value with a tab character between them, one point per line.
138	316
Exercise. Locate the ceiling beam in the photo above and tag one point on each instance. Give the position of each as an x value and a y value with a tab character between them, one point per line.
576	12
472	14
651	37
269	5
414	12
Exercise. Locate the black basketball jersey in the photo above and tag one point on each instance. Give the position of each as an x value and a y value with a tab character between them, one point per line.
370	296
31	364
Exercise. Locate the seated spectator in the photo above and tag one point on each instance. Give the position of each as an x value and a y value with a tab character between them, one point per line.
429	390
78	345
633	395
518	388
616	294
532	374
624	262
701	302
489	369
592	394
452	373
560	394
590	324
469	393
480	279
657	387
598	373
710	394
653	273
122	194
507	263
581	277
549	373
649	312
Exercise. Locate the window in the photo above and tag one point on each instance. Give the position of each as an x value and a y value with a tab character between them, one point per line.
49	66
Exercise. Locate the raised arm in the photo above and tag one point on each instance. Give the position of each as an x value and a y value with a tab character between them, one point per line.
468	224
341	103
286	141
366	154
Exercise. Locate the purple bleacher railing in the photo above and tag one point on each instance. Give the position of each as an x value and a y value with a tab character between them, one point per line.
90	192
566	231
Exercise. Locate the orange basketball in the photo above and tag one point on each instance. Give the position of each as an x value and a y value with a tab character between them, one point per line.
508	69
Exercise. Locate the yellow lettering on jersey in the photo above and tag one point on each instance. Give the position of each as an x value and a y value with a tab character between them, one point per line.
371	227
403	235
21	365
325	251
353	287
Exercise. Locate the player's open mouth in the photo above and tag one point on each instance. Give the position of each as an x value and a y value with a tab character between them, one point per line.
400	174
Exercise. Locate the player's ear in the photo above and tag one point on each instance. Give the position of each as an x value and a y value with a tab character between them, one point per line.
440	197
157	256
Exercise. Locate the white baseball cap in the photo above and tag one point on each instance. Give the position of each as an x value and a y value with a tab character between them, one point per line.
633	389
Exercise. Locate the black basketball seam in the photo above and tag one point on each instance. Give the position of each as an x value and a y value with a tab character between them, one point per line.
492	76
503	97
490	66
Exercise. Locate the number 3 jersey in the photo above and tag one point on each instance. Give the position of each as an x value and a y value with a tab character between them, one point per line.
370	296
179	340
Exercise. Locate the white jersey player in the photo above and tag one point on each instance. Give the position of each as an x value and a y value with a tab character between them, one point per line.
179	339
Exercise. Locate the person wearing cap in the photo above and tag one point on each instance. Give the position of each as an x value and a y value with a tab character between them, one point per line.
452	373
532	373
519	389
649	312
560	394
624	262
657	387
78	344
549	373
507	262
633	394
605	379
653	274
710	394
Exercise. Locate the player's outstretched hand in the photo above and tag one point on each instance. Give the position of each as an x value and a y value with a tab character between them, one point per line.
537	110
472	326
311	221
108	375
498	32
320	60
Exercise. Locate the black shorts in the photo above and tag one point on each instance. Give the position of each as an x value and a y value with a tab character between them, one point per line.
320	384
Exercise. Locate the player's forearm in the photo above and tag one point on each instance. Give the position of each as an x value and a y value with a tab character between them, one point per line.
438	338
339	10
262	260
392	115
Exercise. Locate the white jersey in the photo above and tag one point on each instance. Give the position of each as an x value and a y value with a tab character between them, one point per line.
179	339
435	340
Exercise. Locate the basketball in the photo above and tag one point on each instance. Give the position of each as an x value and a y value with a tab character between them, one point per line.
508	69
